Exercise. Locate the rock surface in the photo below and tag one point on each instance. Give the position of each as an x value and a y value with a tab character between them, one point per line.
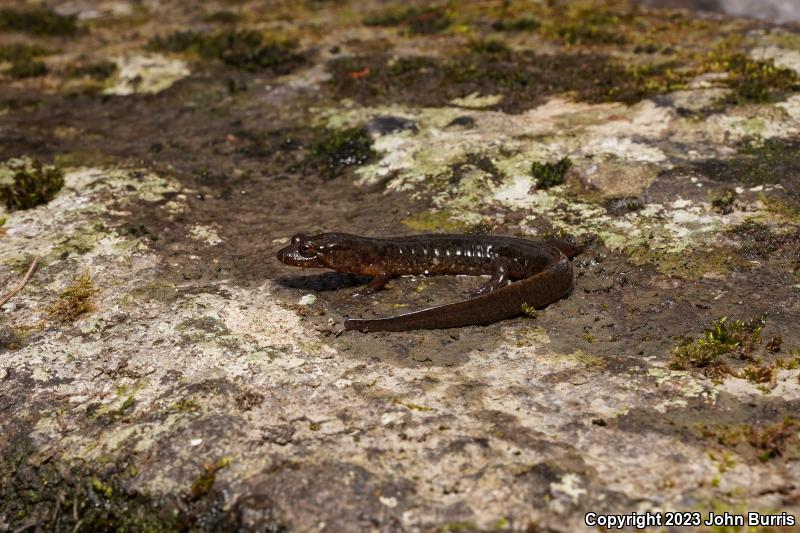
163	371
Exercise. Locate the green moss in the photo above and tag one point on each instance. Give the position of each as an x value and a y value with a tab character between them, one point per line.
62	495
102	488
186	405
118	413
550	174
26	69
415	407
590	26
32	184
205	482
332	151
754	81
516	24
425	21
77	299
436	222
529	311
765	441
21	52
688	263
99	70
38	21
721	338
722	199
242	49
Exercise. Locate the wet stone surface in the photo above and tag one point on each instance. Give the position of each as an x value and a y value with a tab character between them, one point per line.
162	371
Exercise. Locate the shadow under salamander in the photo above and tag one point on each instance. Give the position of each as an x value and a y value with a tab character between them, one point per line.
328	281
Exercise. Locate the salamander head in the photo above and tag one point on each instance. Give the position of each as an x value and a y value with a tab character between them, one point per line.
325	250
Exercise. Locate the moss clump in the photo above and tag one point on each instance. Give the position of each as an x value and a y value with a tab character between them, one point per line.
722	200
529	311
766	373
754	81
633	83
436	221
21	52
63	495
765	441
332	151
186	405
205	482
74	301
23	60
591	27
516	24
27	69
242	49
38	21
425	21
32	184
99	70
550	174
721	338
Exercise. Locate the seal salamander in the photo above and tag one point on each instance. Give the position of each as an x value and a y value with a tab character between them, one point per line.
541	272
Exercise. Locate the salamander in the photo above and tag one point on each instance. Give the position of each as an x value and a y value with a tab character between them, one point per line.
541	272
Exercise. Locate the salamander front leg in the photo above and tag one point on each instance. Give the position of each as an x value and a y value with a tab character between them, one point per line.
500	277
377	283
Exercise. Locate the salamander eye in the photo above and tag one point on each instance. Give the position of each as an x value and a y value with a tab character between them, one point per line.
306	249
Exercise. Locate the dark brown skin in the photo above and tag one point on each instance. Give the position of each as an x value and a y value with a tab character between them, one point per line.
542	271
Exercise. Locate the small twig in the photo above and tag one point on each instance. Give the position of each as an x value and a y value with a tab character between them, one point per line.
22	283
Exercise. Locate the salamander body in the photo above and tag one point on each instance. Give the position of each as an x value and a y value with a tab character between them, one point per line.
542	272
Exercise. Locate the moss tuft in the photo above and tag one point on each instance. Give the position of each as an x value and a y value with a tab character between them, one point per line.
516	24
205	482
722	200
23	60
754	81
436	221
27	69
550	174
596	28
243	49
529	311
74	301
32	184
21	52
721	338
38	21
332	151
